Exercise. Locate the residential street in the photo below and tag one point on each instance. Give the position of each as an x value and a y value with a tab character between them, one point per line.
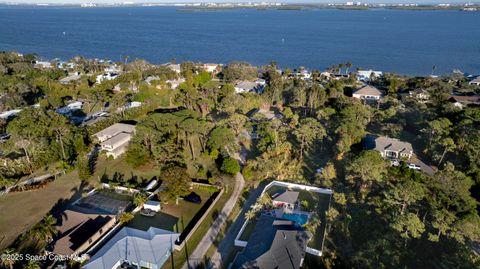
198	254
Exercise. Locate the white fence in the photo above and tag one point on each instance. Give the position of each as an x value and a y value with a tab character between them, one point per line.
241	243
238	242
296	186
313	251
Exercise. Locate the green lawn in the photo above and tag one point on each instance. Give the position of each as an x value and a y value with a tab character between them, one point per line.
179	257
172	217
119	168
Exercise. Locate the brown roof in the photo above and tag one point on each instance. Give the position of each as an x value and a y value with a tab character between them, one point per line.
368	90
465	99
74	228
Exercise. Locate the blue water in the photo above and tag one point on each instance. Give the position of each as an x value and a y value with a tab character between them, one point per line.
408	42
301	219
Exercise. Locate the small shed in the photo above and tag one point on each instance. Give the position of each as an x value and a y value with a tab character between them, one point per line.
152	205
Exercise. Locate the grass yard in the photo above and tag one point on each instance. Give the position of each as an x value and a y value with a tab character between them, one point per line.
21	210
179	257
123	172
172	217
323	203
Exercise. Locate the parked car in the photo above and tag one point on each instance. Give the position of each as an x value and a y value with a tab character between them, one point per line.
394	162
193	198
414	166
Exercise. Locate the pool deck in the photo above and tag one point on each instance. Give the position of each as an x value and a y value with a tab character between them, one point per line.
317	200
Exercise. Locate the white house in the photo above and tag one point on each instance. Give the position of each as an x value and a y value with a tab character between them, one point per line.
70	78
304	74
286	200
366	75
113	68
133	104
174	67
114	139
106	76
133	248
43	64
245	86
70	108
421	95
388	147
210	67
367	92
174	83
475	81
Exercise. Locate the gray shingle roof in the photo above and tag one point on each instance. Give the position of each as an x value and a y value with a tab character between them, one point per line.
383	143
287	196
273	245
246	85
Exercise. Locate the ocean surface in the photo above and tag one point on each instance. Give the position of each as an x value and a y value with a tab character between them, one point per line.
407	42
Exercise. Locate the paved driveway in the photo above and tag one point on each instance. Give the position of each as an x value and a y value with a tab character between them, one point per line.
197	256
226	246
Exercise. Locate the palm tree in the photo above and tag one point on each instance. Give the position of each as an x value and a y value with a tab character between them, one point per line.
264	199
125	58
250	214
139	199
6	258
340	66
45	230
348	65
125	217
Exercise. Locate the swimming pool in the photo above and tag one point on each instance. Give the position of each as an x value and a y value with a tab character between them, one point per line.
300	219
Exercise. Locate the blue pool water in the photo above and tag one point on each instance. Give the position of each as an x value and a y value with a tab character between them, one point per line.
301	219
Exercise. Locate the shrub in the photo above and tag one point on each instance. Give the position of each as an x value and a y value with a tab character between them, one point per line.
230	166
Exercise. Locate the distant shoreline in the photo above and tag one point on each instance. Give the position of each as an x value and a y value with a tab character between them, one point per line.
270	6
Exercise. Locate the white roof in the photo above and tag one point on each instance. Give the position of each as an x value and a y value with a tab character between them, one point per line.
476	80
117	140
246	85
367	73
153	246
115	129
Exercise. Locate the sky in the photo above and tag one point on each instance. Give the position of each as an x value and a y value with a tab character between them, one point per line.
230	1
